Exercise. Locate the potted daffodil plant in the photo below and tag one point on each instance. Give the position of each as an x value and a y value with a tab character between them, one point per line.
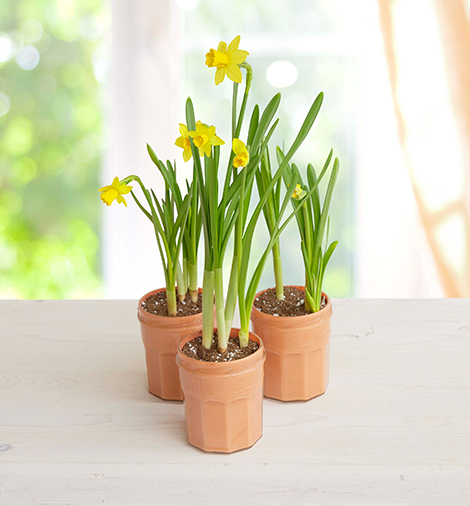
221	367
294	321
167	314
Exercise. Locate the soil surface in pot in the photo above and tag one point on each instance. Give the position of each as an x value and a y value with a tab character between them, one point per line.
292	305
195	349
157	304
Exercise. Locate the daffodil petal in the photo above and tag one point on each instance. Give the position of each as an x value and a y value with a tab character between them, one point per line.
183	130
115	182
238	146
233	72
187	154
207	149
121	200
125	189
222	47
105	188
234	44
180	142
219	75
200	128
216	141
211	131
238	56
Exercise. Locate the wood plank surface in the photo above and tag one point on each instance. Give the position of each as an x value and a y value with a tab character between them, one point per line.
78	426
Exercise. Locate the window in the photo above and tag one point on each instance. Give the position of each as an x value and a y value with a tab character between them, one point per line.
54	57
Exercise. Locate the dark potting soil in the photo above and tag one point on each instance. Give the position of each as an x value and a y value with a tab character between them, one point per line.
194	349
157	304
292	305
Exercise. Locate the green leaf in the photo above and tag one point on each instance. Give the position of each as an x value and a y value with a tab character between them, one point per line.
253	125
265	121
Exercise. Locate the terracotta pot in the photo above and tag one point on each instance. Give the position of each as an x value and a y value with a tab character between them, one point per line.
223	400
297	352
161	335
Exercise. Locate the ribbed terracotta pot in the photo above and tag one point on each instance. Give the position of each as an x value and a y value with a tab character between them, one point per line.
297	352
161	335
223	400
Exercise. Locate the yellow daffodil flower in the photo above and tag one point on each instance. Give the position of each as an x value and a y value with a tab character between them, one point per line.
241	153
227	59
114	191
204	138
184	143
299	193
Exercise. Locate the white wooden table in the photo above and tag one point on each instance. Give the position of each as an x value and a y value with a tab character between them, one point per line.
78	426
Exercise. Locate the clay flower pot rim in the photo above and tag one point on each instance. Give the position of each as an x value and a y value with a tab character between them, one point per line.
324	312
161	321
220	367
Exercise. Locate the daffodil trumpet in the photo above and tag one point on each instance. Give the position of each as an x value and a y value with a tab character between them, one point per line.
313	225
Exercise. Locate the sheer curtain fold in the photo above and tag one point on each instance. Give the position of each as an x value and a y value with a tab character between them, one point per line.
446	223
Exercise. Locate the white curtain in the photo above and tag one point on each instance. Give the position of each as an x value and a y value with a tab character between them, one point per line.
145	77
393	258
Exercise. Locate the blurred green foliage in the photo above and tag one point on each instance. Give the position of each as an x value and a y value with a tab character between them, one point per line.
52	62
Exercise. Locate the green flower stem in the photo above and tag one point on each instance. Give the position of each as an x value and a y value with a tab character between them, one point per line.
249	77
244	337
180	284
278	271
234	109
308	307
192	270
222	337
185	272
231	302
244	332
171	302
207	308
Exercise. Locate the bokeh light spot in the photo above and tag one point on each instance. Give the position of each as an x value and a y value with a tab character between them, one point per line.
28	58
32	30
188	5
18	137
6	47
281	74
5	104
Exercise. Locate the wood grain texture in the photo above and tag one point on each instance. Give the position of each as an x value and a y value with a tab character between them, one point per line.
78	426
